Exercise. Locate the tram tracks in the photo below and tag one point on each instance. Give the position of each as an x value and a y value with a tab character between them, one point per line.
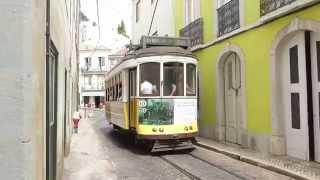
196	168
182	170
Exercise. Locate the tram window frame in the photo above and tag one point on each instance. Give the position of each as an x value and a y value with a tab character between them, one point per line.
155	82
194	80
175	88
133	83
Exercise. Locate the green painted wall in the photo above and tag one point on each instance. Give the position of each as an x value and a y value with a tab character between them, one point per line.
256	45
206	9
179	15
252	11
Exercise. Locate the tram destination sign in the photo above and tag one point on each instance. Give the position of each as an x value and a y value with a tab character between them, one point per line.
165	41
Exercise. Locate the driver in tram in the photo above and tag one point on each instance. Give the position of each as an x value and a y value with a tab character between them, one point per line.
147	88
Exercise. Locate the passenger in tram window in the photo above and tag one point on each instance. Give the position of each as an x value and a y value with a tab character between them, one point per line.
120	93
146	87
173	79
173	90
190	89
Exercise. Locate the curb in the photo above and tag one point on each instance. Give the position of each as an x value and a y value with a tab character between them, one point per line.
252	161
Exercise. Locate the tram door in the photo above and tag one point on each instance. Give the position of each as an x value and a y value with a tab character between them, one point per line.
132	95
232	81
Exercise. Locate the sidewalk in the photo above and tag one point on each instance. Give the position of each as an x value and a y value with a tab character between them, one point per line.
282	164
88	159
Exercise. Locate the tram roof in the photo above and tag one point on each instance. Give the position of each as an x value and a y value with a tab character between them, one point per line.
158	51
155	51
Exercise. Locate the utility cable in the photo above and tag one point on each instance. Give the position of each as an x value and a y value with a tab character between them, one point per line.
154	11
98	18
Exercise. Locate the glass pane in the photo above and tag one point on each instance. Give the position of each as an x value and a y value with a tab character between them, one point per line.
191	80
294	65
150	79
295	110
173	79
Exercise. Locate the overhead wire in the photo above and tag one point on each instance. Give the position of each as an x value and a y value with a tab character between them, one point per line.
154	11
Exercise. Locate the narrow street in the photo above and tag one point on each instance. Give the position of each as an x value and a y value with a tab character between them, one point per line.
98	152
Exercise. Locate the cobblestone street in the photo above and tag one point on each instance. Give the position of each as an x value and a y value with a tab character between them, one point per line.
99	153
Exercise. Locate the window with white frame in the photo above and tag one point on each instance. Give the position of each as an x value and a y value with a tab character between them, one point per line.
88	62
101	62
192	10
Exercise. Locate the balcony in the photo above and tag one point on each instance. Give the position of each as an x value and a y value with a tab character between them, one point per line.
194	31
88	88
93	70
267	6
228	17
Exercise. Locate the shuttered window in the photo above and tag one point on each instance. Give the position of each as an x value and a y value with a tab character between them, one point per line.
294	65
295	110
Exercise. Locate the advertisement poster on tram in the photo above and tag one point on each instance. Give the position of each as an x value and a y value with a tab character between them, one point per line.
167	111
185	111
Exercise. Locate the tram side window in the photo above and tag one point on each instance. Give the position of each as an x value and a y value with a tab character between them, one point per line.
119	98
120	92
107	99
173	79
191	80
150	79
112	93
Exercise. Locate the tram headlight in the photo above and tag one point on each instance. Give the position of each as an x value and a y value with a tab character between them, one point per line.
154	129
190	128
186	128
161	129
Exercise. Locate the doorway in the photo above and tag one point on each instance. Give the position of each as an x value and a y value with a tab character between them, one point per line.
232	87
97	101
300	65
231	106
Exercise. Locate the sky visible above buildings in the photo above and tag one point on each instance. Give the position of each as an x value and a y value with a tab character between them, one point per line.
111	12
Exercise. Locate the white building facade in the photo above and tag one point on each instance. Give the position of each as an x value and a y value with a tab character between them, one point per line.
93	65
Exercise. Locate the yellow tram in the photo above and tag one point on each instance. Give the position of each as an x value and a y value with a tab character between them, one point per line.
152	93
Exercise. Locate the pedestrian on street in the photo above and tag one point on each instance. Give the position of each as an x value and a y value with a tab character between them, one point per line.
76	118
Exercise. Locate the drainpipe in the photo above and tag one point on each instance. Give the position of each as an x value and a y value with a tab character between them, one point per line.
47	169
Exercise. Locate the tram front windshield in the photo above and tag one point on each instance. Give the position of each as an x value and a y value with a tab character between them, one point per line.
173	79
150	79
158	106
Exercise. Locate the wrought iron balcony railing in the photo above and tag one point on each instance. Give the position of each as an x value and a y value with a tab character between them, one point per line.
228	17
93	71
267	6
194	31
